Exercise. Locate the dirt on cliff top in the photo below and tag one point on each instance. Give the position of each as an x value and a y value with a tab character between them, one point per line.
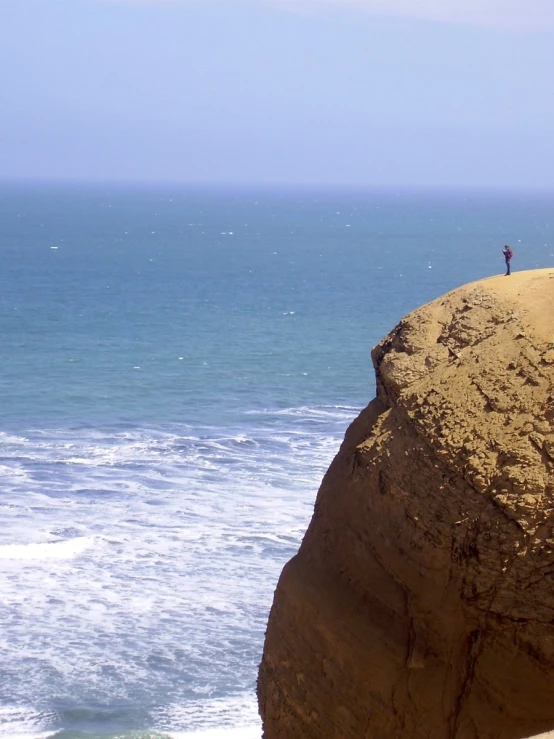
473	371
532	292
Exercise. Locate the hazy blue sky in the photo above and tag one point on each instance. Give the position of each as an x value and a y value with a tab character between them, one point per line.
378	92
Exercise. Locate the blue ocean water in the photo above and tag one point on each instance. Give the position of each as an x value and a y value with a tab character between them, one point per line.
178	367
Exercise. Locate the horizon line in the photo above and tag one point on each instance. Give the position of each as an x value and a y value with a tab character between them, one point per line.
267	185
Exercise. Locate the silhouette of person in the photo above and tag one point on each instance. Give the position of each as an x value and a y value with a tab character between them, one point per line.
508	254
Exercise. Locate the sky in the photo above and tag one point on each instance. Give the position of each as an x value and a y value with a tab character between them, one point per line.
300	92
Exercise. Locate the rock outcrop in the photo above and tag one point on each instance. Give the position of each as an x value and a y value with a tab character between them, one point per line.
421	602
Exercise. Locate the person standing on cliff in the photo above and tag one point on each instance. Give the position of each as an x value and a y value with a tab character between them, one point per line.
508	254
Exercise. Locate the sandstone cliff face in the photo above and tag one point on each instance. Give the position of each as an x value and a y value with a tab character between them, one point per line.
421	602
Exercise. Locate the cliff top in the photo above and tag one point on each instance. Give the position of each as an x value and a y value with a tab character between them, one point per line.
532	291
473	370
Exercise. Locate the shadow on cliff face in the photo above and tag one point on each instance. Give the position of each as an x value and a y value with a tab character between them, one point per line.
421	601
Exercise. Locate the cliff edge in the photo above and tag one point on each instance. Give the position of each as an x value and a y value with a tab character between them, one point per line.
421	601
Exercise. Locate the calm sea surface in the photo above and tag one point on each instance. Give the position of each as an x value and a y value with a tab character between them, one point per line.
177	369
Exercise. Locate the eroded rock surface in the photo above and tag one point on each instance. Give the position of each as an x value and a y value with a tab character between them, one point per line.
421	602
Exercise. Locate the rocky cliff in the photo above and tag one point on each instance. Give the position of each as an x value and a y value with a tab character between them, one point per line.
421	602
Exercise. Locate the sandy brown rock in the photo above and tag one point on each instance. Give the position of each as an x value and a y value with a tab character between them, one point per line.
421	602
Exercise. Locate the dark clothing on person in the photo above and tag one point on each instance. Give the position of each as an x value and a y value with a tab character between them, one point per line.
508	254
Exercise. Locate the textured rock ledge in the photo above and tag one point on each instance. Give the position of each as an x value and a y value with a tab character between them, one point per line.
421	602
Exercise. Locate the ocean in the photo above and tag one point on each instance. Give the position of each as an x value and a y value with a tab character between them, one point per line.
178	368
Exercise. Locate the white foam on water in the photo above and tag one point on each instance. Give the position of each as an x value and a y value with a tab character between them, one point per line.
140	564
234	717
337	412
11	439
17	722
239	732
47	550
